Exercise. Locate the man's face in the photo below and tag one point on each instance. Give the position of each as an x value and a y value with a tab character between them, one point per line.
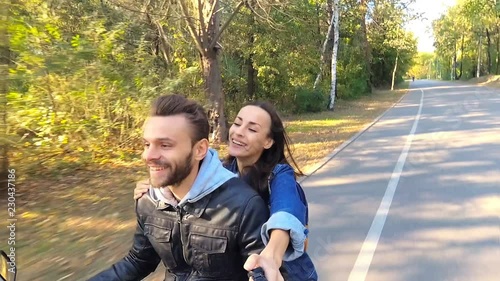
168	151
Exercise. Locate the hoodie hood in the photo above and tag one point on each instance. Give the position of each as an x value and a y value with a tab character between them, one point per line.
210	176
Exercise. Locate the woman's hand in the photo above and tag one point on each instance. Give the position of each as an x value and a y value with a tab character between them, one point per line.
140	188
271	269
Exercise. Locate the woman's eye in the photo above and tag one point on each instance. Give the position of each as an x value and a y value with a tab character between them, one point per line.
146	145
236	124
252	130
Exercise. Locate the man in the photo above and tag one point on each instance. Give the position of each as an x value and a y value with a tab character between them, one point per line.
200	220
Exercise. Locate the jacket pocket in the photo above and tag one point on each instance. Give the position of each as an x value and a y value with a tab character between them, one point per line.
209	253
160	236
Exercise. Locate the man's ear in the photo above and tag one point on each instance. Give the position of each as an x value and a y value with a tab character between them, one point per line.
201	149
268	143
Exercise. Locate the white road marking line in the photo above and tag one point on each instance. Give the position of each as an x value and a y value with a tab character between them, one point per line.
365	256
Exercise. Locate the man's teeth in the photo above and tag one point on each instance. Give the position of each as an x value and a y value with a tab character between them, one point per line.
156	168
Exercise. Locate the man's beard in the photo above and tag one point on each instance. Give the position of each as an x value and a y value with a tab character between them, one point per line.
177	175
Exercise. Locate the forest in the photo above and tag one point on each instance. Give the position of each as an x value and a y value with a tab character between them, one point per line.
467	43
78	75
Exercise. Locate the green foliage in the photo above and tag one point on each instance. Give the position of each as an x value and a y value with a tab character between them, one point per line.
389	41
423	63
469	34
308	100
80	89
84	72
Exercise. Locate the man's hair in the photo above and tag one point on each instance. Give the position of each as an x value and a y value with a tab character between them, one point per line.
170	105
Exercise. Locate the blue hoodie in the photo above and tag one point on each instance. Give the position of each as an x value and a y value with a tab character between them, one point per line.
210	176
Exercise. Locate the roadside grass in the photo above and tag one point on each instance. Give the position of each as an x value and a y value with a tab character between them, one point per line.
492	81
70	227
316	135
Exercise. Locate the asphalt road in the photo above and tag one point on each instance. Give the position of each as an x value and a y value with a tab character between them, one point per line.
417	195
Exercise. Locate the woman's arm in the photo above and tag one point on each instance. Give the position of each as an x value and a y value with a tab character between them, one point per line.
276	248
284	233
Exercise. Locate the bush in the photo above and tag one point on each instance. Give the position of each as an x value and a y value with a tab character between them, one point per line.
308	100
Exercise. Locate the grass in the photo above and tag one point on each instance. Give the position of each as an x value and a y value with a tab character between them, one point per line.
71	227
488	80
311	133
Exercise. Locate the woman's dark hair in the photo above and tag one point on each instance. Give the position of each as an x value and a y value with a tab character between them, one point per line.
257	175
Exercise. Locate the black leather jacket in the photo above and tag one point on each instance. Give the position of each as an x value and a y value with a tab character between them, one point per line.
206	240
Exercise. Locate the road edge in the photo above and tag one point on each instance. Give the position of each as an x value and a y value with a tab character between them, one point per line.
345	144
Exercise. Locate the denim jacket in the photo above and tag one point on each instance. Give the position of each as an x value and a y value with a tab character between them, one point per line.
288	211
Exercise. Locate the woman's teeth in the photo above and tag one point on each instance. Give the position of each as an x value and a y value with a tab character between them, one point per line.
237	143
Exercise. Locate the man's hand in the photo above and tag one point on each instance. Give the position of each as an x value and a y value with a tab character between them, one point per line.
270	268
141	188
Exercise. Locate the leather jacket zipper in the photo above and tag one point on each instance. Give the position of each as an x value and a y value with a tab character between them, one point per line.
179	222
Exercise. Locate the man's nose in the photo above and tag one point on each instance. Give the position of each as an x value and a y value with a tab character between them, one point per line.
150	153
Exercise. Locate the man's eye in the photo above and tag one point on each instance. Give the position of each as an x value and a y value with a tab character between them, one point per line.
166	145
146	145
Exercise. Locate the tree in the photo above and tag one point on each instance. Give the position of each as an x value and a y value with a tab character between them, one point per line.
327	47
4	89
363	8
83	72
469	30
336	21
205	32
393	48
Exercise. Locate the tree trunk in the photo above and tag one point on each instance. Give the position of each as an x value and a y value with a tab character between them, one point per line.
394	71
461	58
251	72
333	91
489	50
454	66
325	49
498	51
478	70
4	88
213	87
318	28
452	76
329	47
204	26
365	44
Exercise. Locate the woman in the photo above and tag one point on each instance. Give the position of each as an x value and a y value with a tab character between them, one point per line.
257	144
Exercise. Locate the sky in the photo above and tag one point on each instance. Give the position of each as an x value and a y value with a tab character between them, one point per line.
422	28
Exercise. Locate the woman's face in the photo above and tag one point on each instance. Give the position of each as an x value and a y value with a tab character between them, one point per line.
249	134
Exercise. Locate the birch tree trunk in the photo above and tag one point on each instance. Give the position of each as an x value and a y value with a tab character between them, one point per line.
454	66
329	36
478	71
394	71
333	91
364	42
461	58
498	51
